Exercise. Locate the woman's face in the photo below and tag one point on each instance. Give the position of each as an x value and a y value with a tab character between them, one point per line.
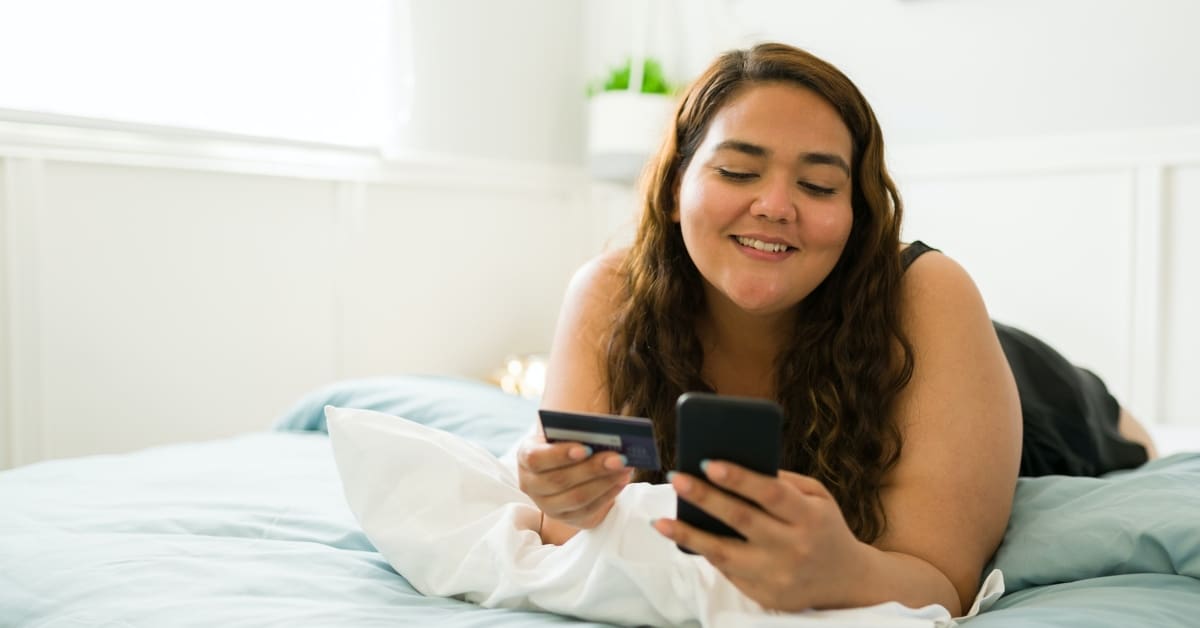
764	204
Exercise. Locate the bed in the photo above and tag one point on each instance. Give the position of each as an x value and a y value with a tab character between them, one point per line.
255	531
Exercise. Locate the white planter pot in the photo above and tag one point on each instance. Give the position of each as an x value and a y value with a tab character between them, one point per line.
624	129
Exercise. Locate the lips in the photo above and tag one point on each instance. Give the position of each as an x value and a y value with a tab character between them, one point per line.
763	243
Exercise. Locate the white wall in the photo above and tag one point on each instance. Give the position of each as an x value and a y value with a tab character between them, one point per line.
951	70
940	70
196	290
497	80
174	304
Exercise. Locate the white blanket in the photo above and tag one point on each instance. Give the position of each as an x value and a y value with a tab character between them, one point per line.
450	518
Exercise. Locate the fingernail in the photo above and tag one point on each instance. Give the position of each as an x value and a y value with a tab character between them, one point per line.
579	453
670	475
615	462
715	472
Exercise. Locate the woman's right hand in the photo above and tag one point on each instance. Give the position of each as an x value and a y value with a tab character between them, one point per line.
568	483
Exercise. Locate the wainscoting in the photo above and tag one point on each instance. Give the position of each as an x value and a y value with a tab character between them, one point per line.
1083	240
158	288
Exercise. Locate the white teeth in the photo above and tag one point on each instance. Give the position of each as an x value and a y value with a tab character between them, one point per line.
762	246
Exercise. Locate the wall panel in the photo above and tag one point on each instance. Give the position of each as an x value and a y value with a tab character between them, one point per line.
178	305
452	283
23	202
1181	364
6	437
1049	251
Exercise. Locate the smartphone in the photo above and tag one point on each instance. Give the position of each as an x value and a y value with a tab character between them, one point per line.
742	430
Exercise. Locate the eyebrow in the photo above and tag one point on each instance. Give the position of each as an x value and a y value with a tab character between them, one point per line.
754	150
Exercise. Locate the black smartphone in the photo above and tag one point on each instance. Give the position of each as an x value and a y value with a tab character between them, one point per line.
742	430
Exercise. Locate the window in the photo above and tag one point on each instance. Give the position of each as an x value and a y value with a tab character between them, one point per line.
323	71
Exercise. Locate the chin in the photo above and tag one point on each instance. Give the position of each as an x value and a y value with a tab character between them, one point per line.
769	310
758	304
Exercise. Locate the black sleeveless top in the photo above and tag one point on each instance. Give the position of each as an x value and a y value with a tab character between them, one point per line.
1069	416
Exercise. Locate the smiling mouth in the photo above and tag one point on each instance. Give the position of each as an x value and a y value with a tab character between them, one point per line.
767	247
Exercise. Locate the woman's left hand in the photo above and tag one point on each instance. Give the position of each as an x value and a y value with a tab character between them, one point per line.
798	553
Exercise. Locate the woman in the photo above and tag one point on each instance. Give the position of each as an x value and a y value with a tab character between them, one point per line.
767	263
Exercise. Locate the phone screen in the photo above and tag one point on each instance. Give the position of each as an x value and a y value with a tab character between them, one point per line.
741	430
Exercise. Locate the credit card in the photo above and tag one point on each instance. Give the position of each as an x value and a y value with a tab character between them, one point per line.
632	437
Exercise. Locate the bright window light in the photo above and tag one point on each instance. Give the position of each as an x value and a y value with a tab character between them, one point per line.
310	70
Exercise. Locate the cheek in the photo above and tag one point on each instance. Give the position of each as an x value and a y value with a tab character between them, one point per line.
708	206
834	226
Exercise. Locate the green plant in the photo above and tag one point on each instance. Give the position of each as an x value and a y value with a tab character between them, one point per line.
653	80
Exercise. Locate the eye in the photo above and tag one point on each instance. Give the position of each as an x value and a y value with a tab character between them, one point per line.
734	175
816	189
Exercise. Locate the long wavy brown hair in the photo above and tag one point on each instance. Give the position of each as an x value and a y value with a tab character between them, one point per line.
848	358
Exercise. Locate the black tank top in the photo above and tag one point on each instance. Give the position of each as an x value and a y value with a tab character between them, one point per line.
914	250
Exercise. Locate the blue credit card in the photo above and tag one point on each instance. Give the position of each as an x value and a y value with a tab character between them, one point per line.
632	437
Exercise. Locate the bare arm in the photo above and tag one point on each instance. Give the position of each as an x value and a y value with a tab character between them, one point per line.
575	490
949	498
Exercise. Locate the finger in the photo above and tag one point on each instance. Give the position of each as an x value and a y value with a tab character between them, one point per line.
779	497
565	482
586	504
543	457
591	515
806	484
746	518
565	478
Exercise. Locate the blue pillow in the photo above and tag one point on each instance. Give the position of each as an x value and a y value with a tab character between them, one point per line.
476	411
1064	529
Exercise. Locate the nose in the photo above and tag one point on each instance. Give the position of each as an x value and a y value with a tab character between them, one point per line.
775	201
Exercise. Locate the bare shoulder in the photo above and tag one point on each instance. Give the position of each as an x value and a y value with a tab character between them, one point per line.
599	276
575	377
948	498
936	279
961	384
593	293
946	320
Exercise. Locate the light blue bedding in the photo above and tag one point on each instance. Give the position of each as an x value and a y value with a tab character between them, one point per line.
1126	601
1118	551
251	531
254	531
